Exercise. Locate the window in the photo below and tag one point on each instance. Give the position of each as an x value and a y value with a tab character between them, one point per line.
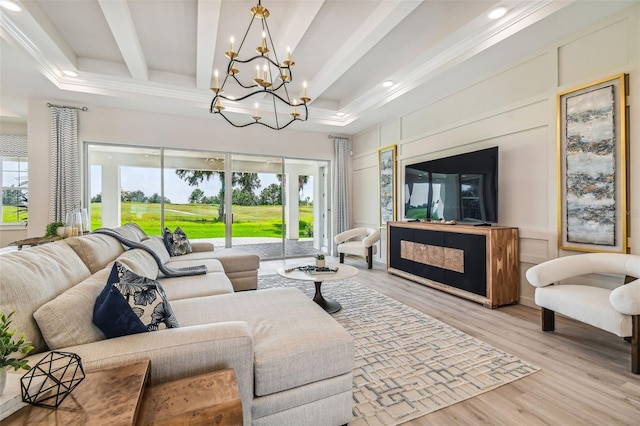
14	178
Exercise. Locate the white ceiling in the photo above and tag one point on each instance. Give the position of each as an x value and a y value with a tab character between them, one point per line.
159	55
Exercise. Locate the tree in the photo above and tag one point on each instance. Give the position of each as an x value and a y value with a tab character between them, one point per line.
209	200
156	199
195	177
196	196
248	181
11	197
97	198
271	195
241	197
136	196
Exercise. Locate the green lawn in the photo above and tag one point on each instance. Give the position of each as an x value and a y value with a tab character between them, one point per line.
200	220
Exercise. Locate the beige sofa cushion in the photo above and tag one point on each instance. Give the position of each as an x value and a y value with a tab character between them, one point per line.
292	347
30	278
212	265
67	320
156	244
187	287
96	250
131	231
140	262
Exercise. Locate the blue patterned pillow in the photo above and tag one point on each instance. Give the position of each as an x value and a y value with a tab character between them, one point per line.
177	242
130	304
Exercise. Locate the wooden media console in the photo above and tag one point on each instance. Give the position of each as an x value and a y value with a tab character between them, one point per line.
479	263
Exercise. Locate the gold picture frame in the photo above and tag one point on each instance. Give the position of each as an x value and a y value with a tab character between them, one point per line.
387	184
592	166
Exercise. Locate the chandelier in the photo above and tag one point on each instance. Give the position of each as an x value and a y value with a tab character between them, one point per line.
263	78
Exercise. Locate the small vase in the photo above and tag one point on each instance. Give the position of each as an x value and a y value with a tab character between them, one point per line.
61	231
320	263
3	379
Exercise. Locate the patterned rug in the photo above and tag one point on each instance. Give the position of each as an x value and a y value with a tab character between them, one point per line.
407	363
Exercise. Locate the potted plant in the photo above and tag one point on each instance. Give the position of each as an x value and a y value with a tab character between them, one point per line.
8	347
52	229
320	260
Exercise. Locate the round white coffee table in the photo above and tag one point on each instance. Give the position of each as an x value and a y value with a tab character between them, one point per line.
343	272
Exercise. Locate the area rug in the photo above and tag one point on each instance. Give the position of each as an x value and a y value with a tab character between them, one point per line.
407	363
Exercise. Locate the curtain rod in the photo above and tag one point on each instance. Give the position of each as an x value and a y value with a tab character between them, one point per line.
338	137
68	106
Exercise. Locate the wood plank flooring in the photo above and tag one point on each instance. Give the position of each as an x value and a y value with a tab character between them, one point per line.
585	376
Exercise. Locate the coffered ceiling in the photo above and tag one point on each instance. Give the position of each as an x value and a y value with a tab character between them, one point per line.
159	55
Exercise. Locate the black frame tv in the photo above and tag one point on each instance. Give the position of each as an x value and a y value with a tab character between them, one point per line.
461	187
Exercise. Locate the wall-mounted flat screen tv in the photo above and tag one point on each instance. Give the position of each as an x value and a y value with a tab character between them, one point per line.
462	187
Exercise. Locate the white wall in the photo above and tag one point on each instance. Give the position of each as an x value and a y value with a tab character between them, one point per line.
515	109
119	126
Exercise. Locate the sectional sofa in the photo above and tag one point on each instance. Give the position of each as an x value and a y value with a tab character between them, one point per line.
293	362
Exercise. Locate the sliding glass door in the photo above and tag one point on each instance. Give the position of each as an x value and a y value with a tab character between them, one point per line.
305	207
194	191
256	219
124	185
273	206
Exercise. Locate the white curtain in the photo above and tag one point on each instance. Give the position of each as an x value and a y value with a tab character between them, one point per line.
64	169
340	188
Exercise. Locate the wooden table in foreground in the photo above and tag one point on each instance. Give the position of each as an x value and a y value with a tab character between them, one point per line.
105	397
117	397
208	399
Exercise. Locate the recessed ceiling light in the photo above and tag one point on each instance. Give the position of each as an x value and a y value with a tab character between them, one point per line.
70	73
9	5
387	83
497	12
339	113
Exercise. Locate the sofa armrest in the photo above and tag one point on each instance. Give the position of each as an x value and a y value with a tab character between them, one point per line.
349	234
371	239
555	270
626	298
200	246
178	353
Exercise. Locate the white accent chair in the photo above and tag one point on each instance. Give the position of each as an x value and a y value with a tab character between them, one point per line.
358	242
616	311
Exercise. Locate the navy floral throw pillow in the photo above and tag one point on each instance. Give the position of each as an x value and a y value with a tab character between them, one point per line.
177	242
130	304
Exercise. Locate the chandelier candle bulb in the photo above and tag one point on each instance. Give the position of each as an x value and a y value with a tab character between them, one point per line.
217	84
264	40
231	40
288	54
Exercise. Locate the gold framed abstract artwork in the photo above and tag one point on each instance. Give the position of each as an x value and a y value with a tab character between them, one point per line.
387	184
592	167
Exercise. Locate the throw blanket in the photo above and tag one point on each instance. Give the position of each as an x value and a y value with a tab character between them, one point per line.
166	270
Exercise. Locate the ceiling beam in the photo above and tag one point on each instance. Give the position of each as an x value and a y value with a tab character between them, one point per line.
298	20
206	38
382	20
119	19
32	30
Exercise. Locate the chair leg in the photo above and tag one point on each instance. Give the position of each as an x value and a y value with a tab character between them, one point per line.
548	319
341	257
370	257
635	344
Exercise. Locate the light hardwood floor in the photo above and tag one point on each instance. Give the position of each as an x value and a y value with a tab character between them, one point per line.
585	376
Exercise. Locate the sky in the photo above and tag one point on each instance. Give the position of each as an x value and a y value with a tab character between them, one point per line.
178	191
